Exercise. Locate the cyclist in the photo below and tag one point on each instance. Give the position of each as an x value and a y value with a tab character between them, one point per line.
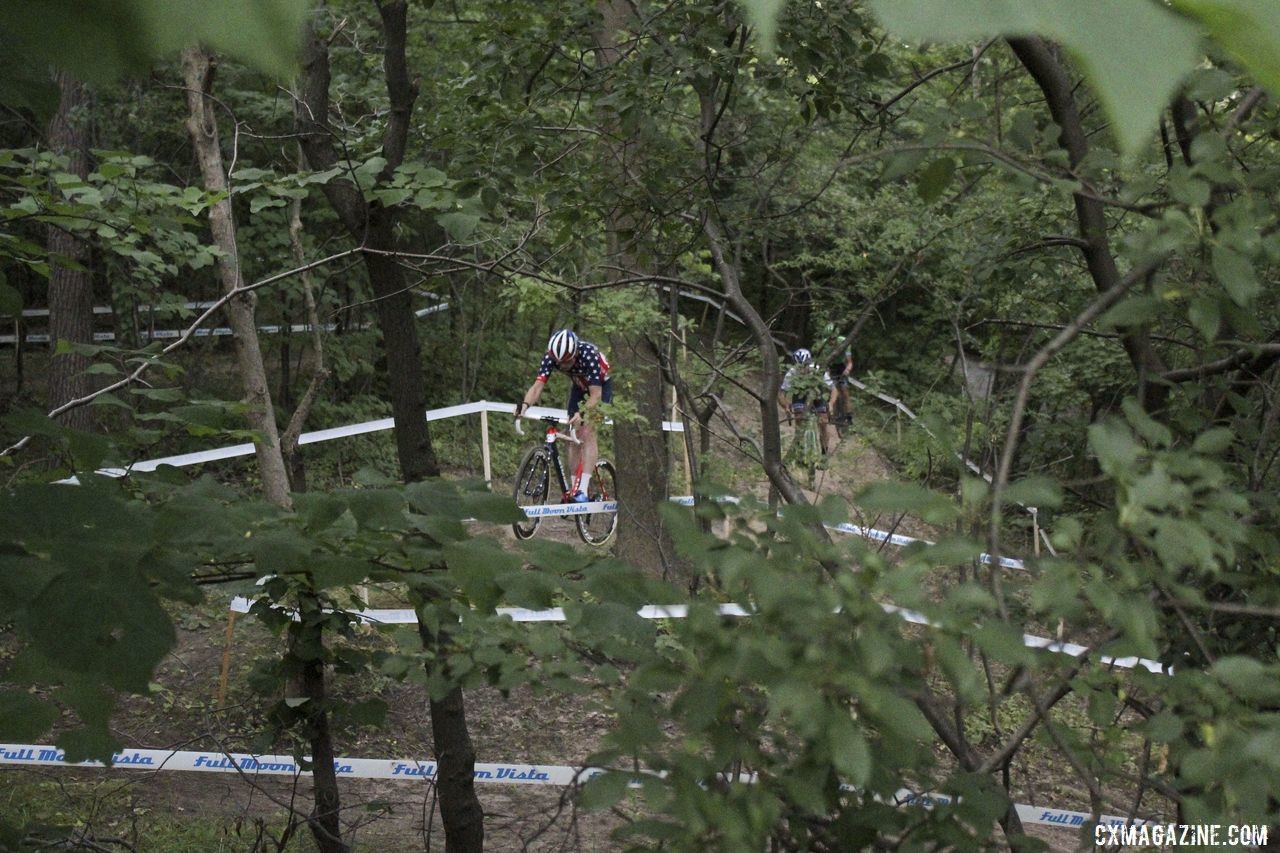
811	392
840	369
588	372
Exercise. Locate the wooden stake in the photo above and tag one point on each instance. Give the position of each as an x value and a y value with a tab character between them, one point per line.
226	659
484	445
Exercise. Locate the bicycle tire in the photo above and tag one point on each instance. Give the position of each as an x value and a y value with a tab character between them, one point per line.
840	416
812	450
598	528
532	479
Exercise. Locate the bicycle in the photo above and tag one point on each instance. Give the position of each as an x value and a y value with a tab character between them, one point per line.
533	480
806	448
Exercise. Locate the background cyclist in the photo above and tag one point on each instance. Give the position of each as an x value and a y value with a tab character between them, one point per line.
588	372
808	390
840	369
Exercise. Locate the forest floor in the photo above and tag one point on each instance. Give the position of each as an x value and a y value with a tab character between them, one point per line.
203	811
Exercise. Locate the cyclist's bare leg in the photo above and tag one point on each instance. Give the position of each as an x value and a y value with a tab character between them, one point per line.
587	452
824	432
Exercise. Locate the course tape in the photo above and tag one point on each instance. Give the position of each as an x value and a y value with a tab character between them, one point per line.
588	508
240	604
413	769
363	428
874	534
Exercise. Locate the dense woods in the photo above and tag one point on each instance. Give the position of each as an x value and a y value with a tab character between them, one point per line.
1046	234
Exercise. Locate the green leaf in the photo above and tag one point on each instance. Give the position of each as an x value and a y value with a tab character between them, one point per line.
1165	727
1134	52
335	570
1114	445
1187	188
107	624
1131	311
1247	677
850	752
1004	643
1214	441
24	718
376	509
1236	274
903	163
281	550
10	301
1249	30
909	498
1144	425
475	565
459	225
1205	315
603	791
99	40
933	181
531	589
499	509
1037	491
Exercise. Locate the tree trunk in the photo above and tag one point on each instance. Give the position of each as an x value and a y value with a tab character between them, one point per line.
1051	76
203	128
644	463
374	227
199	69
460	809
70	284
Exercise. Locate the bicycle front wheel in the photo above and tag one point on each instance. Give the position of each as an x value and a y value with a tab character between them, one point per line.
531	488
597	528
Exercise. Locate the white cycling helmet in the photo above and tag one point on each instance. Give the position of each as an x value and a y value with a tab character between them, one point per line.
802	356
563	345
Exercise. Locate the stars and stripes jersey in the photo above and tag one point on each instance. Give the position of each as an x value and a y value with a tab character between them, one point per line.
590	367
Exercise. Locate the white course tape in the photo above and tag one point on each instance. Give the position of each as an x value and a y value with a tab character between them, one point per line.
874	534
363	428
589	508
240	604
412	769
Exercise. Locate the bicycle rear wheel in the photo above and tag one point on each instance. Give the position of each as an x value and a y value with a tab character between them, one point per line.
597	528
812	451
532	479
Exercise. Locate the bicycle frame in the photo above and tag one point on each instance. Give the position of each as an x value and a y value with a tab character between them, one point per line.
553	433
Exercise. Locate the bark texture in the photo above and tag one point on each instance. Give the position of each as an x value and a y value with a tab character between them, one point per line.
199	69
70	283
644	461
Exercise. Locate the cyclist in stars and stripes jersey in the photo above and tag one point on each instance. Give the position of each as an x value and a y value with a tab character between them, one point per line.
588	372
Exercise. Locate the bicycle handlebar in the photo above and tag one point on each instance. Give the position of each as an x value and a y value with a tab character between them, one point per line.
571	437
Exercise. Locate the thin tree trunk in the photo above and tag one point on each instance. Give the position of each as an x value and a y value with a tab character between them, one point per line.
70	284
1051	76
203	128
199	70
373	226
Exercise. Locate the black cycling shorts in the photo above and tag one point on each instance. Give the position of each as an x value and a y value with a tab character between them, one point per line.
577	395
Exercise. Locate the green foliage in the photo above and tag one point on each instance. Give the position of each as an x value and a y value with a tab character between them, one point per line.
1105	37
100	41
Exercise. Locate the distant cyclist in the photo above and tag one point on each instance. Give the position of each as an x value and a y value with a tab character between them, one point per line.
805	389
840	369
588	372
